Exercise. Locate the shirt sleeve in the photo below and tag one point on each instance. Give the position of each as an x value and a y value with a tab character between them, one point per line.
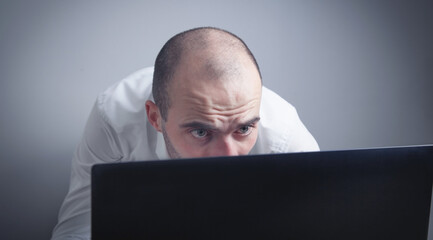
99	144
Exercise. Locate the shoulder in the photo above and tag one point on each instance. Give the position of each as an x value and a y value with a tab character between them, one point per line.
272	101
280	128
274	109
124	102
120	115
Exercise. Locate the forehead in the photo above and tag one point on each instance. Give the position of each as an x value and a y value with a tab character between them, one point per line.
195	94
233	78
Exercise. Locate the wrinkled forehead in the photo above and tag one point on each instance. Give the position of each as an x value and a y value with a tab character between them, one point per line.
223	105
215	82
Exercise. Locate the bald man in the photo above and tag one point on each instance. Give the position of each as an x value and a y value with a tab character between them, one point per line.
205	99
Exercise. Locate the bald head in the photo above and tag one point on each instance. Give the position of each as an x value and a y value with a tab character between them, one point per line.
212	53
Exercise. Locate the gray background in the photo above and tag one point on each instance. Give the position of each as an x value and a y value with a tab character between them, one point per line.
359	72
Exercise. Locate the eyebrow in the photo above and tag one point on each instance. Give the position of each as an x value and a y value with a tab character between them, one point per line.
250	122
200	125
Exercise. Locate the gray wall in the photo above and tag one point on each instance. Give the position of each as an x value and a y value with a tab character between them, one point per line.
359	72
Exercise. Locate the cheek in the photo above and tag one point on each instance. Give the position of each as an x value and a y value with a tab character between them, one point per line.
187	150
249	143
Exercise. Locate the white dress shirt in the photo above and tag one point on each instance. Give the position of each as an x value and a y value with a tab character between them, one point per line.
118	131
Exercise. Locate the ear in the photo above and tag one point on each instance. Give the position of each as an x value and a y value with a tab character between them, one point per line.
153	115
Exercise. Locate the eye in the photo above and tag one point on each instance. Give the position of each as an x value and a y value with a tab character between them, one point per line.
200	133
245	130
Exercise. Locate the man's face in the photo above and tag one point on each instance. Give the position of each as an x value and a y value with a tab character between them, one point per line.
212	117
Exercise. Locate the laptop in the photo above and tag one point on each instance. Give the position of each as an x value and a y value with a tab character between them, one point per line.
380	193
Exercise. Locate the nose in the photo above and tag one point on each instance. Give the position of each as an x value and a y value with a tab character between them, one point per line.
225	146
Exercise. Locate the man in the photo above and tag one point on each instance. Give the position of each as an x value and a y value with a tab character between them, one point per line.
205	99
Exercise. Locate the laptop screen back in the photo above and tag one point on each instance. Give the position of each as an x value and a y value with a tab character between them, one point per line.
356	194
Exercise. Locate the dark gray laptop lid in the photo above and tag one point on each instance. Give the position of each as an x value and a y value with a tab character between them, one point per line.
356	194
